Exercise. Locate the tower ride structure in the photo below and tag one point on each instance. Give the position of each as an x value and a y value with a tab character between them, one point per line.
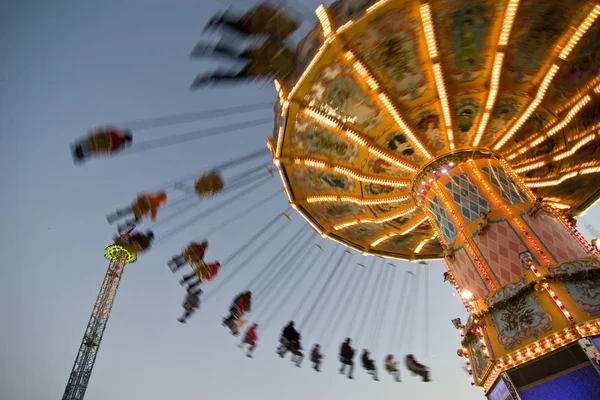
81	372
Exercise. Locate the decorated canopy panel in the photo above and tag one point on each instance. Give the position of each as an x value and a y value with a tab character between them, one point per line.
384	88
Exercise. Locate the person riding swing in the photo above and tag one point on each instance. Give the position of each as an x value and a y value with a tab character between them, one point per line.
190	304
101	141
316	357
136	242
241	305
193	253
369	365
416	368
262	19
145	205
290	341
346	356
250	339
392	367
265	61
201	272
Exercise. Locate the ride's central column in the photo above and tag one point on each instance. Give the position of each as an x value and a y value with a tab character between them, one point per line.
521	268
487	218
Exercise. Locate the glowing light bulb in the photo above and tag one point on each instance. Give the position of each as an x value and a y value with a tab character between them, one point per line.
466	294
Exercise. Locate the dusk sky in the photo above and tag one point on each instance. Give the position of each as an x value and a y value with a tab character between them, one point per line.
67	66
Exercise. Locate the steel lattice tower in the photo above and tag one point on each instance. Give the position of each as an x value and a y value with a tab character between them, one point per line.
90	344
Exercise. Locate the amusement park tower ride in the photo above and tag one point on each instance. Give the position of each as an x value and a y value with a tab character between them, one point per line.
467	131
118	258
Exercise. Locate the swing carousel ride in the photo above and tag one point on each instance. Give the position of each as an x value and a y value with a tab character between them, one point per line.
466	131
420	130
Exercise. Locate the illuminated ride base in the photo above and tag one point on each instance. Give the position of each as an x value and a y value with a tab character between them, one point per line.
90	344
530	283
416	124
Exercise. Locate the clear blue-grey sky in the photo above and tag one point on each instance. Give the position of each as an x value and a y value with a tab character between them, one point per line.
66	66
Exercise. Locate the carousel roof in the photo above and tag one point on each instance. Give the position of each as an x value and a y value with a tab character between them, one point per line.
386	88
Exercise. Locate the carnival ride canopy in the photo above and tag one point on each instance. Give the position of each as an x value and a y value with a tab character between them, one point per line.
386	88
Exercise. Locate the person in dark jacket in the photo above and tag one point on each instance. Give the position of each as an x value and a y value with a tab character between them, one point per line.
416	368
190	304
135	243
369	364
271	59
346	356
262	19
315	357
290	341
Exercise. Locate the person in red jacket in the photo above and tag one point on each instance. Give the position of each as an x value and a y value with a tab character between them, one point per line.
101	141
241	305
250	338
193	254
202	272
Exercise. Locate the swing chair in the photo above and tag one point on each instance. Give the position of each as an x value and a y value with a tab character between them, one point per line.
209	184
369	364
190	304
293	346
391	367
201	270
417	368
234	322
100	139
241	305
132	246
